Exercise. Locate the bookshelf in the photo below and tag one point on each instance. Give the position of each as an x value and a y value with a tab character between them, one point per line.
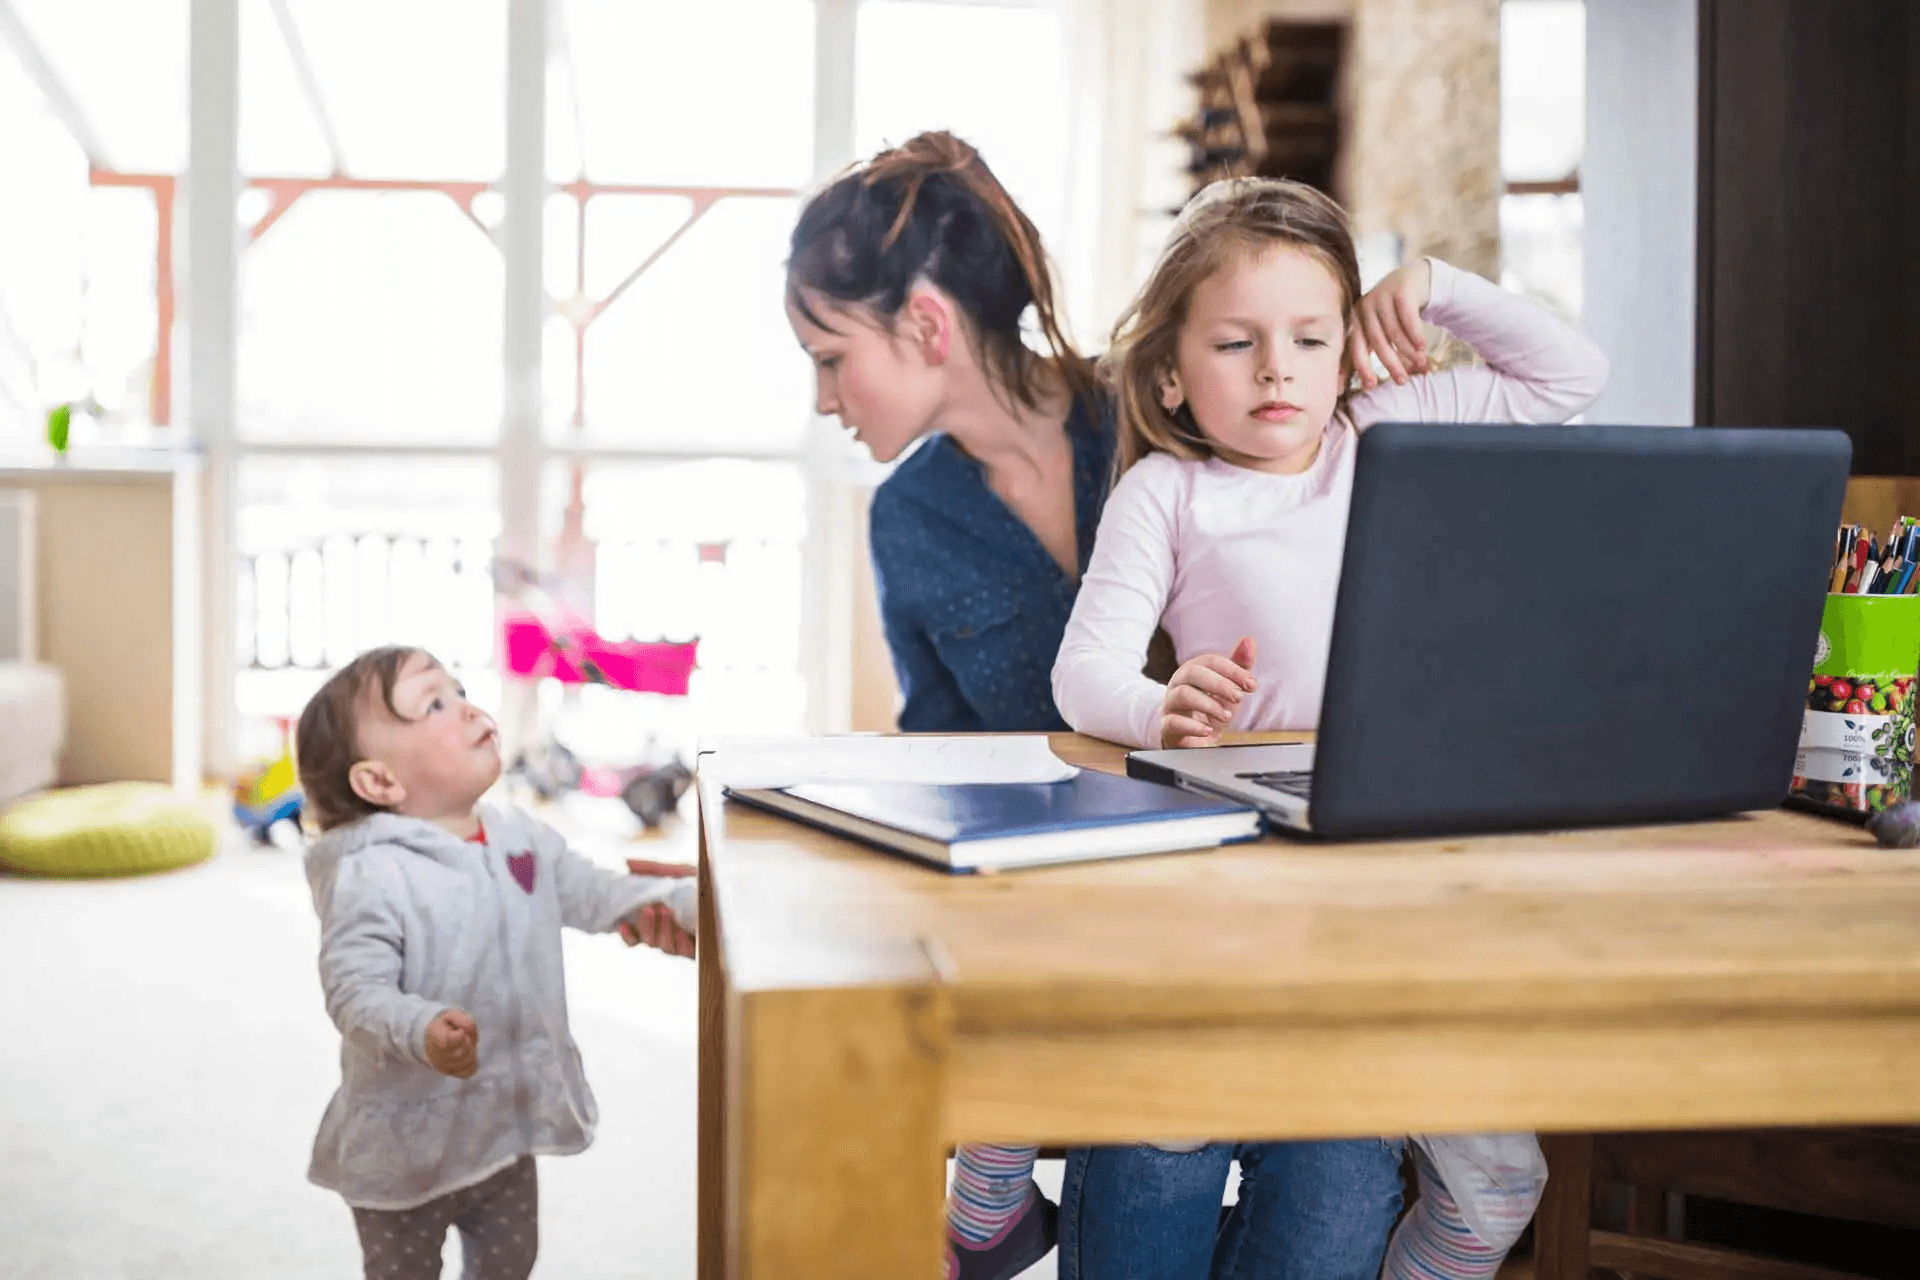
1270	105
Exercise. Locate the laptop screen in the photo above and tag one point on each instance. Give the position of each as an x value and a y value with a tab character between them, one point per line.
1568	625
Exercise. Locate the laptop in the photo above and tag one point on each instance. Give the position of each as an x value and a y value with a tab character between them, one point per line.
1546	627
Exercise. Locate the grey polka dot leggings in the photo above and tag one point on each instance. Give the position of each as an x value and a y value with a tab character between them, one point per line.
499	1222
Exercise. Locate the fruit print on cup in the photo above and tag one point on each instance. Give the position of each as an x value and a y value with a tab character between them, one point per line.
1857	734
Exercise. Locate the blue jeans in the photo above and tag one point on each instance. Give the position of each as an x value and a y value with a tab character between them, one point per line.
1307	1211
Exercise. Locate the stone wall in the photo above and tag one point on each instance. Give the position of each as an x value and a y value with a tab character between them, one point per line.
1424	150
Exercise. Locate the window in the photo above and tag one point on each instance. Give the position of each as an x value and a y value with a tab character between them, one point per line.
1542	136
339	554
925	65
675	466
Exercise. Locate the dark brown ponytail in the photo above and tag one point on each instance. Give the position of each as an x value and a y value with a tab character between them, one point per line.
931	208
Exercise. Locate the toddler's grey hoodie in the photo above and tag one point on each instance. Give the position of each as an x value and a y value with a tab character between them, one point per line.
414	921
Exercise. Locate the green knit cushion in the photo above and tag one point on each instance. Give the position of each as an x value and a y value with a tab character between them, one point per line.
112	829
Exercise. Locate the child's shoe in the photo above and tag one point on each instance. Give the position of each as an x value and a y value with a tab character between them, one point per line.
1022	1243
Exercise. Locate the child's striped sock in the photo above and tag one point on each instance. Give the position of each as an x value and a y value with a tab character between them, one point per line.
990	1188
1434	1242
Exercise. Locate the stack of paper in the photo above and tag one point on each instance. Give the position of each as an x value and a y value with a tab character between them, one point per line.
970	760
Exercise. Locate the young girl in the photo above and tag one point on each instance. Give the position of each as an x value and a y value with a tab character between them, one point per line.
440	961
1238	420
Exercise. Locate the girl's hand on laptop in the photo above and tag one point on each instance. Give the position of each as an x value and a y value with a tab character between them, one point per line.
1386	323
1203	695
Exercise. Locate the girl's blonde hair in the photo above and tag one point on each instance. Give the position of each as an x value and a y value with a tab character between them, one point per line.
1225	221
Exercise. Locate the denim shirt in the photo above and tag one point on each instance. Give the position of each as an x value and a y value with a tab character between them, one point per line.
972	603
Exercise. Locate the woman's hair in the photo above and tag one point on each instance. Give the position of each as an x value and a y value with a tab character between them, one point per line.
326	745
930	209
1225	221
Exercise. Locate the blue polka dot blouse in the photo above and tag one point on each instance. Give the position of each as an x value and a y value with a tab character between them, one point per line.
972	603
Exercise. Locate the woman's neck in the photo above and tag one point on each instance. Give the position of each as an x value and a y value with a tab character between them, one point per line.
1001	432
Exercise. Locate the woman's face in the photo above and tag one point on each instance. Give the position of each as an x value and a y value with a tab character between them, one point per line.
877	380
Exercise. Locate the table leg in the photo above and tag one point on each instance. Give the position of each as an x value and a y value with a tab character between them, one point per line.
712	1146
834	1132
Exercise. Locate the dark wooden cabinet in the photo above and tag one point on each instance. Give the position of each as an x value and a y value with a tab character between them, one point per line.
1808	247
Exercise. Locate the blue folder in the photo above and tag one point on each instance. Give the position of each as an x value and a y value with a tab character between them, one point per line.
990	827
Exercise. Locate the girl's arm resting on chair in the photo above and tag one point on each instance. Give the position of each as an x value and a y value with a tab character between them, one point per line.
1097	683
1538	369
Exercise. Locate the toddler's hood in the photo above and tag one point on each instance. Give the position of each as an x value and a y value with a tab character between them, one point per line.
417	835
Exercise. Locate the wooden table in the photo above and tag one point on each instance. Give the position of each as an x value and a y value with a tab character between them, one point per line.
859	1013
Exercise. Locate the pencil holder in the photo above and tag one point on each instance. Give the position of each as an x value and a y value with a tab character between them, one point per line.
1856	739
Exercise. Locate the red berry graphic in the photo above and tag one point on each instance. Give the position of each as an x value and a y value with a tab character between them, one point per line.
1864	692
1856	707
1841	689
1823	681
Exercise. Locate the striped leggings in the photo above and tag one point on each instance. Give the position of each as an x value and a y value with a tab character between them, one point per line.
990	1188
1477	1194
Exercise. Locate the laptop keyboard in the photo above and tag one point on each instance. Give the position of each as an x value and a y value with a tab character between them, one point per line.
1292	782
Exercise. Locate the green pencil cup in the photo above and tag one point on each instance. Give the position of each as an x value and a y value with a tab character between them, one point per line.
1856	739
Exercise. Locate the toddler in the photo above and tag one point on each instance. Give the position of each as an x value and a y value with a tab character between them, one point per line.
440	962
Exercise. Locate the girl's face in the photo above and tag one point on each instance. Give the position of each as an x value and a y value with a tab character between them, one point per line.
1259	358
878	381
439	755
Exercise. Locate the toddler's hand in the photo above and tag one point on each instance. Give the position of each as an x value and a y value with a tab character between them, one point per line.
1203	695
675	936
1386	323
453	1044
654	926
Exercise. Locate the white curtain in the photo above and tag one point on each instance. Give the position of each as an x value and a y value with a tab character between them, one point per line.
1127	66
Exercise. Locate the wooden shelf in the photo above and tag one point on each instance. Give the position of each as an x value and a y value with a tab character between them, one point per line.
1269	106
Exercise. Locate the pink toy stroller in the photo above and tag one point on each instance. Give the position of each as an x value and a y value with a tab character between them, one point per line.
570	651
562	645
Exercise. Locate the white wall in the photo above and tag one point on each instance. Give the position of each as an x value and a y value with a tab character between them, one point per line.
1638	180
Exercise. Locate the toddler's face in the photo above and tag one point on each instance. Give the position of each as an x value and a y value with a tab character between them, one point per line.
1259	360
442	750
872	379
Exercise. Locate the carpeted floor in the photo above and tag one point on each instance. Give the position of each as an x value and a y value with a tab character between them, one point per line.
165	1057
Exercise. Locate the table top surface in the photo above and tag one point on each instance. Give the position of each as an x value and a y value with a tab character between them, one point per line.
1763	912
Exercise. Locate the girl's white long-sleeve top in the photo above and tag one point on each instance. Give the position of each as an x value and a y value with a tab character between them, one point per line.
1215	552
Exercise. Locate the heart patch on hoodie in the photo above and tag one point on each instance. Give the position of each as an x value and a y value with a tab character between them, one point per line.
521	864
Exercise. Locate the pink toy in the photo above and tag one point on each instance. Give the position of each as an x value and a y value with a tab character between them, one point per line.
563	646
577	655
